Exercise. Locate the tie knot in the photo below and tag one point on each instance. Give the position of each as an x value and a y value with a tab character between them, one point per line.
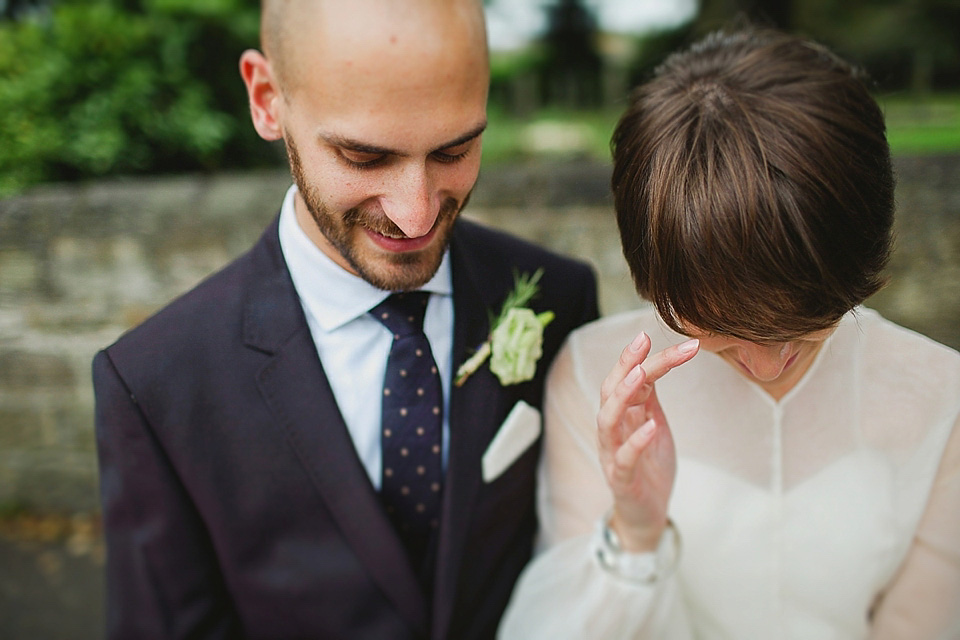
402	313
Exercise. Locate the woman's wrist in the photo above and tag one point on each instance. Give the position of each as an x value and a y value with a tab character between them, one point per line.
639	567
634	538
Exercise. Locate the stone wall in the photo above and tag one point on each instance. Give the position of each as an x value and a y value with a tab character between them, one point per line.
80	264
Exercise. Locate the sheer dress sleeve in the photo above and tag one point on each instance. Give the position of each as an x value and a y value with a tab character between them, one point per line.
923	600
564	592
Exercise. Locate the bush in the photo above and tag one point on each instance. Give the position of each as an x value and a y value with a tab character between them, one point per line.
90	88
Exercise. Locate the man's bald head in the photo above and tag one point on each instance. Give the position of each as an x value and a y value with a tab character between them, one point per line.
407	27
381	105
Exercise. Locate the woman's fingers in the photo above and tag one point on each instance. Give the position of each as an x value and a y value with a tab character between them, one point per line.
656	365
626	458
615	406
629	385
659	364
632	355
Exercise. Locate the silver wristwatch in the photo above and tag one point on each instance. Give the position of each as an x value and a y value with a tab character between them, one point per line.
644	568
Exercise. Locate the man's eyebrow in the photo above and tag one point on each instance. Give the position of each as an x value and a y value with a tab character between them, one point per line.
355	145
363	147
467	137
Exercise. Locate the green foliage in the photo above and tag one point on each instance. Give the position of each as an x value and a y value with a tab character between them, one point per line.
922	124
912	44
904	45
11	509
91	89
552	132
506	65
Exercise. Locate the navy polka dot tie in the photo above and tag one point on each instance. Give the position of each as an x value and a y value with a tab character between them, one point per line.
411	424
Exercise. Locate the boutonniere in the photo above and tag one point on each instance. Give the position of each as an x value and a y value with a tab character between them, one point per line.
515	343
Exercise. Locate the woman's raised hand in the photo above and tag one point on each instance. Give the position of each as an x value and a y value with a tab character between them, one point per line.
636	447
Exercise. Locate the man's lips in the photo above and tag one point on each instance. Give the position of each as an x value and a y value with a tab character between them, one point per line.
390	243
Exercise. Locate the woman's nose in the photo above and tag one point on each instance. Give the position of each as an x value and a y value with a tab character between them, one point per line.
767	360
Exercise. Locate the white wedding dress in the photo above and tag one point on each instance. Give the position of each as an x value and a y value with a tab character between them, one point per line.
833	513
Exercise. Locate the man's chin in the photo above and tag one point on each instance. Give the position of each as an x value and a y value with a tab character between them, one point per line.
398	277
399	271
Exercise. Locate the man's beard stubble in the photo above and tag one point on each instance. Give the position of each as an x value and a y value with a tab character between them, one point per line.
415	268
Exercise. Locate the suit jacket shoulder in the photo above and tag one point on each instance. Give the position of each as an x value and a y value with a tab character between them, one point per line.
218	316
492	259
500	255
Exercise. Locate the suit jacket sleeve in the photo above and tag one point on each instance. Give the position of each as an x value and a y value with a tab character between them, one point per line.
152	529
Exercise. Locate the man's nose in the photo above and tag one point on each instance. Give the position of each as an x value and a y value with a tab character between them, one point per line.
412	203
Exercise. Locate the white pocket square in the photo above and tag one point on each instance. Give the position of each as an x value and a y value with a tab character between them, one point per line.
516	434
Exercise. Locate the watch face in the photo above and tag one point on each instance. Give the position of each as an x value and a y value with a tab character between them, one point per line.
645	567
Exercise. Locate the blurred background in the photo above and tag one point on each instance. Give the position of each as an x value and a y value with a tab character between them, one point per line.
129	171
98	88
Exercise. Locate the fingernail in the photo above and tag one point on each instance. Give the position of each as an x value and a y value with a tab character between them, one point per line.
634	374
688	346
638	341
646	427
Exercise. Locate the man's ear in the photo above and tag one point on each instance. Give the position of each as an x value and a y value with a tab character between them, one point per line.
263	92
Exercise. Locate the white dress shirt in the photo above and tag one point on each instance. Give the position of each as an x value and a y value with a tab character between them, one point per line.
352	345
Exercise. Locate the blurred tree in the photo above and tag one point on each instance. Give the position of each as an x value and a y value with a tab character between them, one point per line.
654	47
515	81
13	9
905	44
716	13
572	66
912	44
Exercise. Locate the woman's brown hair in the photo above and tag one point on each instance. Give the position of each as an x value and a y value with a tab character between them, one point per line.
753	187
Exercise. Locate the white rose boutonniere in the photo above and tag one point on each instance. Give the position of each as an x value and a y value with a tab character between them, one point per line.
516	340
516	345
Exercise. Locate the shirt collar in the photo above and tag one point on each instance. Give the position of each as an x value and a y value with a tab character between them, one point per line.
328	292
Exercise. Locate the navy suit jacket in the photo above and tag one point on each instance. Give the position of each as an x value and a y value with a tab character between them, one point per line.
234	503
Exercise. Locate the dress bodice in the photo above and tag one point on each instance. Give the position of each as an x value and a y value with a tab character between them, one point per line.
796	515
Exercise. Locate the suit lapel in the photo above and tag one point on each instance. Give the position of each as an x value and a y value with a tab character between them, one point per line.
298	394
473	411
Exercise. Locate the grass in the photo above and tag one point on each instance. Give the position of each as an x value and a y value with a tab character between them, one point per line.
922	124
551	132
916	125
